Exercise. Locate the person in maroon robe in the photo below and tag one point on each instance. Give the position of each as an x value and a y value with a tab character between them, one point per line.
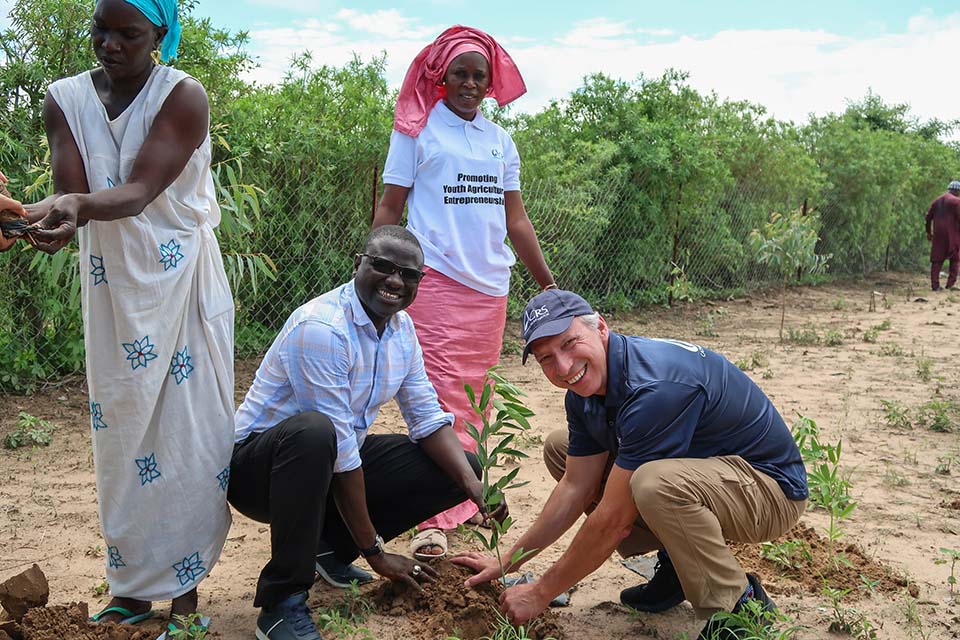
944	236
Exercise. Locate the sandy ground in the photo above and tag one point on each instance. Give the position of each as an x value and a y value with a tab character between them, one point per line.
48	509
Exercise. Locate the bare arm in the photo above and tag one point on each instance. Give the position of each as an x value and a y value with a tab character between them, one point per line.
573	494
350	495
524	239
391	205
597	539
179	128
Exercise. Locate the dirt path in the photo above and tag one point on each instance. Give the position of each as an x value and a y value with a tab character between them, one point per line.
906	511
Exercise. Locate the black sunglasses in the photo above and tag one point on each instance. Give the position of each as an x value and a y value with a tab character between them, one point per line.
382	265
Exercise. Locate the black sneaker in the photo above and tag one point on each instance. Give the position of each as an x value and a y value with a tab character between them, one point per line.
662	592
288	620
719	628
337	573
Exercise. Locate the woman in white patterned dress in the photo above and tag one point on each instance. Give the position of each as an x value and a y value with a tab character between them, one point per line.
130	152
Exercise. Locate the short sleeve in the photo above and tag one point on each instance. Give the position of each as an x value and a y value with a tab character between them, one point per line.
511	169
658	421
581	443
401	166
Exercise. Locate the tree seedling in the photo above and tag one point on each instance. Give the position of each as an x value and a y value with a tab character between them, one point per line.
787	244
952	557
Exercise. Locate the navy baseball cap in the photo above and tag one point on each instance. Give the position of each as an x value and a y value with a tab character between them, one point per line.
550	313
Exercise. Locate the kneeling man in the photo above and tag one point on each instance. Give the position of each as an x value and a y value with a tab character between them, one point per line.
669	447
303	460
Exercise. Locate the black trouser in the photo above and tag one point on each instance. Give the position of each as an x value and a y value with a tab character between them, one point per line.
282	477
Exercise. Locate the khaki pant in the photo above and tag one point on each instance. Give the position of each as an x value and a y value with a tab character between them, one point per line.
690	507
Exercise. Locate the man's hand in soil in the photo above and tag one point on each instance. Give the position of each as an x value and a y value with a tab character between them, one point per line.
398	568
487	567
523	602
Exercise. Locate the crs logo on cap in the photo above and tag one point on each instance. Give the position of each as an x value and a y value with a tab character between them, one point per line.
532	316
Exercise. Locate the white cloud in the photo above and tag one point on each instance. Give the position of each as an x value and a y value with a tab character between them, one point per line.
5	7
792	72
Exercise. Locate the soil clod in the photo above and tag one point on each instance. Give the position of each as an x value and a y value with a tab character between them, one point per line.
24	591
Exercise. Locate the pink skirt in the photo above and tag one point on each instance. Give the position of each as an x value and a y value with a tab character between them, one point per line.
460	332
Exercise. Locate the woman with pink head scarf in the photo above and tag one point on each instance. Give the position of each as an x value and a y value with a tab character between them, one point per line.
459	176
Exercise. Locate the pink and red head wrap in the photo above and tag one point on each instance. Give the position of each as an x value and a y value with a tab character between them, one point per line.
421	86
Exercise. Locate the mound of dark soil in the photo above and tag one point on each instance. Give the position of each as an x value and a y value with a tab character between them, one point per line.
447	607
817	567
69	622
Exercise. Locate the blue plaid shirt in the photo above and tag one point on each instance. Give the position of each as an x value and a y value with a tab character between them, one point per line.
328	358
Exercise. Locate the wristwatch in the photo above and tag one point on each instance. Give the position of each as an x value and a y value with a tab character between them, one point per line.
375	550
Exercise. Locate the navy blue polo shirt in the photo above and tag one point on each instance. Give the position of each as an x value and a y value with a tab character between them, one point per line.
673	399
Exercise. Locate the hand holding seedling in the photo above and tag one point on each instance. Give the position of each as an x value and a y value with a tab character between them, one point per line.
522	602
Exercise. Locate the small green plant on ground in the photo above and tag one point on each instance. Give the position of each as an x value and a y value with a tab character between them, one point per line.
787	554
839	304
870	335
30	431
191	628
833	338
883	326
896	415
787	244
101	589
345	619
938	415
829	489
892	478
804	336
912	616
752	621
756	360
952	556
846	619
924	368
946	462
891	349
707	324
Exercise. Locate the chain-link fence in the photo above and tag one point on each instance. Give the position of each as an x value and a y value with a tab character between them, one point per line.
608	241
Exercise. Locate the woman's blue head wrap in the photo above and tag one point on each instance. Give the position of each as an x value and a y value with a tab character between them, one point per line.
162	13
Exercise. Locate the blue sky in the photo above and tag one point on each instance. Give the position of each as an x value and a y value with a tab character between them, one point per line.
795	58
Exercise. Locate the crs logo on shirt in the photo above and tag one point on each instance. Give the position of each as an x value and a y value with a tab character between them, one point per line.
496	153
533	316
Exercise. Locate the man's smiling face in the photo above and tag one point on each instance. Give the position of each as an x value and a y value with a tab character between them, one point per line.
575	359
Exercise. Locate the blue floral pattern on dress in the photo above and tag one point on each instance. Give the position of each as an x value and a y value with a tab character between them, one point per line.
180	367
189	569
98	271
115	559
139	352
110	183
170	255
224	478
96	416
148	468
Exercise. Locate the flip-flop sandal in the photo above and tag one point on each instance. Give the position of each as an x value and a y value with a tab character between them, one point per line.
426	538
203	625
129	617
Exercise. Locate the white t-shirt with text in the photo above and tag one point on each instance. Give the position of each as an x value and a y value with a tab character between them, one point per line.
457	172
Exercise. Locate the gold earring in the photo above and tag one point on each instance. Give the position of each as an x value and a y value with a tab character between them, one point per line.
155	56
